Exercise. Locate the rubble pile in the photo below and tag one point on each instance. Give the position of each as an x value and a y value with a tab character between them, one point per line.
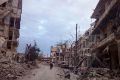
11	70
99	74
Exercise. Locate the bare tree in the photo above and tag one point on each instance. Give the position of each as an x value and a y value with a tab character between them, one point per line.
31	53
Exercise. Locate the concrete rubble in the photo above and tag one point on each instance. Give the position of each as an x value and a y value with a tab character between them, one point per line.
98	48
12	70
10	17
99	74
94	74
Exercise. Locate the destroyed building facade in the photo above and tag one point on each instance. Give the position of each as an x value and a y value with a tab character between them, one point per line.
101	42
53	54
84	47
60	53
107	30
10	17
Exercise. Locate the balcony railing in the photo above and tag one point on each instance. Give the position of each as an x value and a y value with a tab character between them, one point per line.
4	11
106	40
113	2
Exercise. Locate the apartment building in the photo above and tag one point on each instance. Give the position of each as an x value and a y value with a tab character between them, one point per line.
107	29
60	53
85	43
10	17
54	56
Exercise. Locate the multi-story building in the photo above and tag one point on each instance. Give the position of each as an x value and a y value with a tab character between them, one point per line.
10	17
67	53
84	47
57	53
60	53
54	56
107	29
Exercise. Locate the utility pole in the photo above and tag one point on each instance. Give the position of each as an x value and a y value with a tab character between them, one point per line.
75	54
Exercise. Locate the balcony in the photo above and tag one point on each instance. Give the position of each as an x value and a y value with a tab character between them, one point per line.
15	31
106	40
12	45
4	12
107	10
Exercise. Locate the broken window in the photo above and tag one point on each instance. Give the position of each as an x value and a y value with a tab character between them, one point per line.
10	35
9	45
83	44
105	35
88	50
17	23
12	22
114	29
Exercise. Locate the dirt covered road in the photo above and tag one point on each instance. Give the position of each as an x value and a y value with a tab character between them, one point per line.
42	73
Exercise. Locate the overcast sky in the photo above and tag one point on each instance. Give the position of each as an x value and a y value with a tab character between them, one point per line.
51	21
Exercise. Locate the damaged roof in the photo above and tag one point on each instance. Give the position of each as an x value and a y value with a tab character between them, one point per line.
99	7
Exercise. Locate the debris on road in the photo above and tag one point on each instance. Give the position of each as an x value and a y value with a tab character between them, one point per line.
11	70
99	74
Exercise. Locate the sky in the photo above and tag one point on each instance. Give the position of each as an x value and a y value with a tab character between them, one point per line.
51	21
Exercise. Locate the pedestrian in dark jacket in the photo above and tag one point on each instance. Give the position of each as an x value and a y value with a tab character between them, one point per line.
51	65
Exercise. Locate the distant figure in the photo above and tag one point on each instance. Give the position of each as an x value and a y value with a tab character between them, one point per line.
51	65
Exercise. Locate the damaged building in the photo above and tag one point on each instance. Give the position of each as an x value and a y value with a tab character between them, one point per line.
53	54
60	53
10	17
84	47
107	30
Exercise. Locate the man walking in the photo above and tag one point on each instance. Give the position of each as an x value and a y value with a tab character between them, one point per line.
51	65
